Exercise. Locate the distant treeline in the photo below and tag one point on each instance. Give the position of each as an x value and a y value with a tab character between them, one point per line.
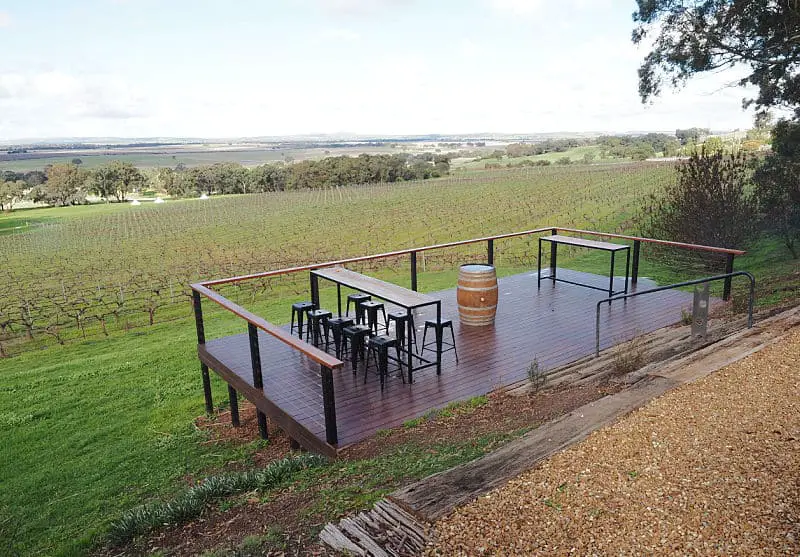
69	184
636	147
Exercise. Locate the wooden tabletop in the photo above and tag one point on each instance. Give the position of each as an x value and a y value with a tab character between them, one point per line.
378	288
572	241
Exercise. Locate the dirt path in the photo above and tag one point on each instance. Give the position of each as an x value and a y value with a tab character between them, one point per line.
710	468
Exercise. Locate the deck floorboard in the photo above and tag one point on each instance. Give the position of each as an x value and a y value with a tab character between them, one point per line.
555	325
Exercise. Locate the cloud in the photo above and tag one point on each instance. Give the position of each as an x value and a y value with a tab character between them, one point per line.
360	7
5	19
525	8
340	34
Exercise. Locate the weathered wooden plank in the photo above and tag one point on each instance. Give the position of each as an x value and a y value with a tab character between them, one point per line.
335	539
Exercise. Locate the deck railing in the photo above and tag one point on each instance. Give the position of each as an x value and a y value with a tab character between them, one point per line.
328	363
726	277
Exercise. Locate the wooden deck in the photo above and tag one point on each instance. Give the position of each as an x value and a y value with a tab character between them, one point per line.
556	325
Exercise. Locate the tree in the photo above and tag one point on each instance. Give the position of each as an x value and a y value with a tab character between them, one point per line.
11	193
777	183
696	36
709	204
116	179
64	186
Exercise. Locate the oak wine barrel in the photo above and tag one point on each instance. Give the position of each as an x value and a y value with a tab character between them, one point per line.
477	294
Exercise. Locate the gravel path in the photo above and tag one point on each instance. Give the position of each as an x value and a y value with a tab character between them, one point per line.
712	468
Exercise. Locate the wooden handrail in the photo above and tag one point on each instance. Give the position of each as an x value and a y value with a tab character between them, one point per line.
313	266
654	241
309	350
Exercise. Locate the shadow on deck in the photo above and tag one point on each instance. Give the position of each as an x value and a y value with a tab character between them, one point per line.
555	325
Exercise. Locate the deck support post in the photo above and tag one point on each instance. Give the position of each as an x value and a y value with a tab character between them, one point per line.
414	271
258	379
329	405
726	291
233	399
201	339
637	245
490	252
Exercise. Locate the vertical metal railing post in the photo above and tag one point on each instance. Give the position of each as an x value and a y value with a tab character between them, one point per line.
258	379
726	291
233	399
490	252
414	271
329	405
637	245
553	255
201	339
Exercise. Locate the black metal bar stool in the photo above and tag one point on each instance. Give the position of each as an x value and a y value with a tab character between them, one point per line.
355	335
357	299
300	310
336	325
371	308
439	330
378	347
317	322
401	319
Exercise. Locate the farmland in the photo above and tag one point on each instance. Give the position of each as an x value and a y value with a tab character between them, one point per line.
87	271
115	409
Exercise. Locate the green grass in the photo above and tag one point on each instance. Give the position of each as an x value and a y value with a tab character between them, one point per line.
96	427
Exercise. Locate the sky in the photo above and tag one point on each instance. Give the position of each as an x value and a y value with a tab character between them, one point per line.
247	68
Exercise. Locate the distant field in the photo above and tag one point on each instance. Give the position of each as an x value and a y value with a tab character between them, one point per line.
575	155
155	159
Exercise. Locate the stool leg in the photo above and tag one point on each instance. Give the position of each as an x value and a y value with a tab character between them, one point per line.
327	328
453	336
337	342
300	323
366	363
439	335
383	364
294	314
354	353
424	333
400	362
385	322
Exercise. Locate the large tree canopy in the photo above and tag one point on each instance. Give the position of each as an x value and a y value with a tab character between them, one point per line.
696	36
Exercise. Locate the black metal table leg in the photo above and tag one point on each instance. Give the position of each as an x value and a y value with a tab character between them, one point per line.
339	299
627	267
539	266
409	321
611	276
438	338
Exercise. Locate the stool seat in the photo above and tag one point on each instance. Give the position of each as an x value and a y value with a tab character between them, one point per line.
317	318
357	299
379	346
299	311
355	334
336	326
401	320
371	308
439	327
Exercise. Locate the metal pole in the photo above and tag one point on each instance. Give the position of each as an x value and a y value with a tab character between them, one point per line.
233	398
414	271
726	291
201	339
329	405
258	379
490	252
635	270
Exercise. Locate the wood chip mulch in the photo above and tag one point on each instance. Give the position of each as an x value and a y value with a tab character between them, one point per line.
712	468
